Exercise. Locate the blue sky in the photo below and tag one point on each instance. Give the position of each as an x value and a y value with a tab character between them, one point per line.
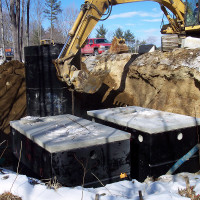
142	18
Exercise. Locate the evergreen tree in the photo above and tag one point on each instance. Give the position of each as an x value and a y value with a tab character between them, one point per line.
101	32
119	33
143	42
129	37
53	8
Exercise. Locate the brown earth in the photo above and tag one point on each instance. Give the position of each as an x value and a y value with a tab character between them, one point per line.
165	81
12	94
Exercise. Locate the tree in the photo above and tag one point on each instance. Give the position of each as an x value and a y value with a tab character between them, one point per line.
37	31
2	31
65	22
101	31
57	35
51	11
151	40
15	26
129	38
22	30
7	29
27	25
143	42
119	33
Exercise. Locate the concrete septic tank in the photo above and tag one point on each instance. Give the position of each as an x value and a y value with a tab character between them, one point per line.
60	145
46	95
159	138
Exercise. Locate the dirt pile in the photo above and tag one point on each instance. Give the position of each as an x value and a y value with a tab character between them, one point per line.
167	81
12	93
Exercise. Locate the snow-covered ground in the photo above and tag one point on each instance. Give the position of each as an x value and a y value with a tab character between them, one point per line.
165	188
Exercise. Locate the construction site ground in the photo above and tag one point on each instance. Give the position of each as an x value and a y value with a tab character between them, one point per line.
168	81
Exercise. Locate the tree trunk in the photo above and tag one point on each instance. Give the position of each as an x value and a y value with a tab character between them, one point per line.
15	24
2	32
27	28
51	22
22	32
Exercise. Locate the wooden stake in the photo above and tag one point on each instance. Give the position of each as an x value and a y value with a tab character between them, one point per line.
140	195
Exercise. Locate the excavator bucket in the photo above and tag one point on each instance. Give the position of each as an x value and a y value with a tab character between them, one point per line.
87	82
118	46
80	80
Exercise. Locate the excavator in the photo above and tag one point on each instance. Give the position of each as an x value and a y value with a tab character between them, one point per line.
68	65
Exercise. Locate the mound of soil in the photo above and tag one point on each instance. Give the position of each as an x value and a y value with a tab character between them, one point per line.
167	81
12	94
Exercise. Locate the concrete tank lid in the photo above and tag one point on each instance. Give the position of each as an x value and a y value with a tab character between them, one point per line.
66	132
145	119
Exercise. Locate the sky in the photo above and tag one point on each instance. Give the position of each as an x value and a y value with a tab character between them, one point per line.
143	19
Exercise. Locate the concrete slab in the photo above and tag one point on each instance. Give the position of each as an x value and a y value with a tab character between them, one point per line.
190	43
66	132
145	119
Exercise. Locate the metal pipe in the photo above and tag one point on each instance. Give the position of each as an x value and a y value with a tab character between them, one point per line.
64	47
183	159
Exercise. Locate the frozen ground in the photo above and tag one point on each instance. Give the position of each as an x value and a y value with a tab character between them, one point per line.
165	188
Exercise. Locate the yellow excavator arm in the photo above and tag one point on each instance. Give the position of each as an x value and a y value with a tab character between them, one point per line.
75	75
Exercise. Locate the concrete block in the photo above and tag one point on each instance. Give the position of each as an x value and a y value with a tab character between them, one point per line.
159	138
146	48
56	145
190	43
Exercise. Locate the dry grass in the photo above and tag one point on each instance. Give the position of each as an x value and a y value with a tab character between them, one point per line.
9	196
189	191
53	183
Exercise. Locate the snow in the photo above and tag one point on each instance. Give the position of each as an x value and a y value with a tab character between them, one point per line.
165	188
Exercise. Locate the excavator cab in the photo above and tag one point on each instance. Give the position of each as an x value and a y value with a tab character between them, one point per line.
192	14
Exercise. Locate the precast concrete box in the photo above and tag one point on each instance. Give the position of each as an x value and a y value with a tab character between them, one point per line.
70	148
46	95
159	138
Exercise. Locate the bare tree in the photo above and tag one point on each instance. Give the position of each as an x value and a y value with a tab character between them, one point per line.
56	35
15	25
37	19
22	31
65	21
2	31
27	22
7	29
151	40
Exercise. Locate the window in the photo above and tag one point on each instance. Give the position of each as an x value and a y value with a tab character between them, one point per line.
192	13
97	41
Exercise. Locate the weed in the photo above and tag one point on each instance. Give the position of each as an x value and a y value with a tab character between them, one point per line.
9	196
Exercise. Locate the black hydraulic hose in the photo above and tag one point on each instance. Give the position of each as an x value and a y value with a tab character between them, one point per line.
100	13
